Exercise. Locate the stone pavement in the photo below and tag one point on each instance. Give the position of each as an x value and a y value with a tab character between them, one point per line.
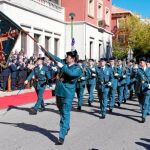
121	130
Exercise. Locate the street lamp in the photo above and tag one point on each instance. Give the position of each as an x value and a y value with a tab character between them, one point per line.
130	54
72	15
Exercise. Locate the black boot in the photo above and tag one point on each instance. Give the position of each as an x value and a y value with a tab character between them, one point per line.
60	141
32	111
118	104
79	108
143	120
110	110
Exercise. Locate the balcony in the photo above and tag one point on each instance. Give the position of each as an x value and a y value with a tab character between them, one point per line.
49	4
102	23
45	8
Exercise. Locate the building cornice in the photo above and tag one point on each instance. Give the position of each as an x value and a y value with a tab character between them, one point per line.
9	2
87	23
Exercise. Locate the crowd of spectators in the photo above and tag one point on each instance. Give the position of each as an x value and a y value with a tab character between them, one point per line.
19	66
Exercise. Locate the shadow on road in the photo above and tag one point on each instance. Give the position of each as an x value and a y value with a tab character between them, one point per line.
134	110
93	112
34	128
19	108
132	117
29	109
145	145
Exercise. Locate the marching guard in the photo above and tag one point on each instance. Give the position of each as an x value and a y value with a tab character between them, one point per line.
104	82
80	86
144	79
91	81
69	73
39	75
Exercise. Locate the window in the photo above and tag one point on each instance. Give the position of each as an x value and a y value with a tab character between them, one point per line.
100	12
99	49
121	39
108	51
107	16
24	42
91	8
47	43
91	48
120	23
36	48
56	46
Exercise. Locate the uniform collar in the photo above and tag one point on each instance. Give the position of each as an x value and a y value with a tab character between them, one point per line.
40	66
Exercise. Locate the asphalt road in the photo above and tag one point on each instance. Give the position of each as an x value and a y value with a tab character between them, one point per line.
120	130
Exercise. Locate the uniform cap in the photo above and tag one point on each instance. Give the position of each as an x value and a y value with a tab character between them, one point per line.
112	58
72	53
41	58
143	59
148	60
102	59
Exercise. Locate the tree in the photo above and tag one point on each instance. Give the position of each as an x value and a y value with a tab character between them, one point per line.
118	52
138	32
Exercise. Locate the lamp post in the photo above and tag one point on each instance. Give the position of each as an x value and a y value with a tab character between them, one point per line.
130	54
72	15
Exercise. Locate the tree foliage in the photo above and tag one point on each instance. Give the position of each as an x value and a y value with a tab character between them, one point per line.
138	32
118	52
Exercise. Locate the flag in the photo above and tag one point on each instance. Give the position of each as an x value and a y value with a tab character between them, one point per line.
9	32
72	42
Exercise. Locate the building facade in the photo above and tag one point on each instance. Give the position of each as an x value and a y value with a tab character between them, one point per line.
49	23
119	33
42	19
92	27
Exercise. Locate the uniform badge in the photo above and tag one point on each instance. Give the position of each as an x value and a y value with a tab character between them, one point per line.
107	73
142	81
42	72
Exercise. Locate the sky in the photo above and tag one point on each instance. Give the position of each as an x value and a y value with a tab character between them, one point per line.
141	7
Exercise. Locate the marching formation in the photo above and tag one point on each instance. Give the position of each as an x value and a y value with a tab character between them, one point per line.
114	80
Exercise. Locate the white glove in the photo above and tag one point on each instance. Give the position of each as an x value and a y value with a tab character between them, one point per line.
116	74
26	82
136	67
93	75
148	86
82	78
59	64
109	83
124	76
33	77
54	68
93	69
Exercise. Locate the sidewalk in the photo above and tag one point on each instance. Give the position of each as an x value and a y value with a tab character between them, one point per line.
24	97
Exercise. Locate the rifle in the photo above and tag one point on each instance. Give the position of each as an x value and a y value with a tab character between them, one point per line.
22	89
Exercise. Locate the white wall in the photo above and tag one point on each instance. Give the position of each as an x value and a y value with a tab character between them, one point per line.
46	21
83	34
79	39
56	29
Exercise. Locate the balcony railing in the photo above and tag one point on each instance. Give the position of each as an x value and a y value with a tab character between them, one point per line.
49	4
102	23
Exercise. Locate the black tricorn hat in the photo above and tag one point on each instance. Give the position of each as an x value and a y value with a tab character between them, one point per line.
132	61
102	59
143	59
112	58
120	59
72	53
148	60
41	58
